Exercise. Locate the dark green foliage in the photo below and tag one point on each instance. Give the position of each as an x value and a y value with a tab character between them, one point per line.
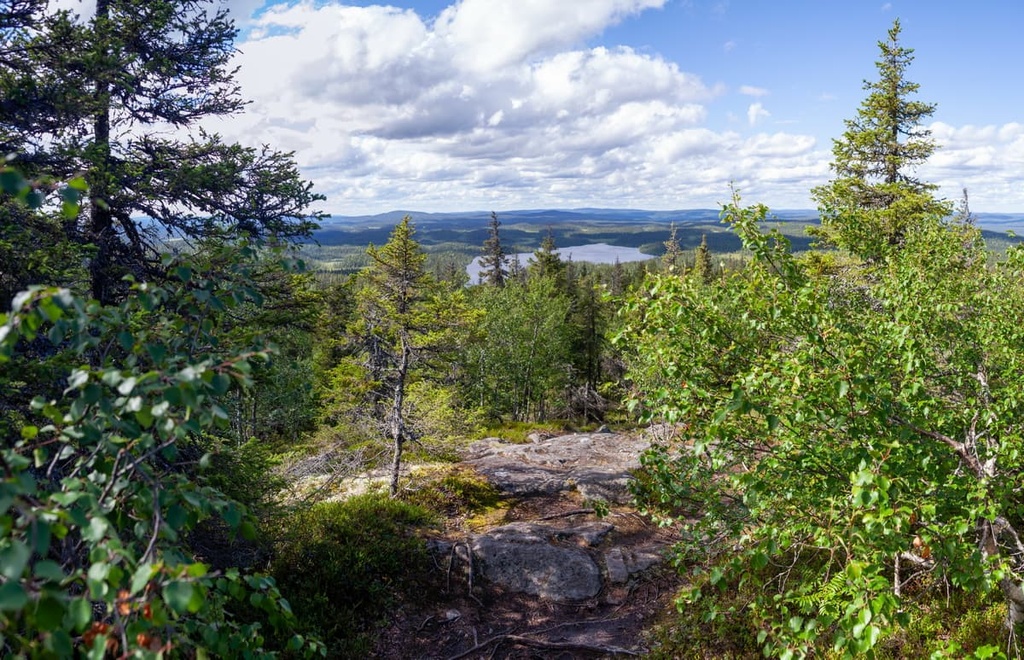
87	96
100	495
493	264
874	199
702	266
344	565
245	473
546	263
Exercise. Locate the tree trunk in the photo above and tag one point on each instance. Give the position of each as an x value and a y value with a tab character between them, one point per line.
101	219
398	413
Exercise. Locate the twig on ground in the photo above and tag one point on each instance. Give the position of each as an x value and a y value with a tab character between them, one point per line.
566	514
541	644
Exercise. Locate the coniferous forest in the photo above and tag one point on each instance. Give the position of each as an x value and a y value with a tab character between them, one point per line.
181	394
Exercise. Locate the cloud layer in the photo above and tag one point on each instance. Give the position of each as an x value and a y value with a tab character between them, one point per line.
508	104
497	103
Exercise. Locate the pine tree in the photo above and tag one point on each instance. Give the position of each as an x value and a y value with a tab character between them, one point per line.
89	97
874	199
617	279
409	329
493	263
673	253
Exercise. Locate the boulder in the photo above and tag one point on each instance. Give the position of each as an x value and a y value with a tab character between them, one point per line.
547	561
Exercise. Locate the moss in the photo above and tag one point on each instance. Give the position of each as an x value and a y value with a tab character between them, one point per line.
459	491
957	627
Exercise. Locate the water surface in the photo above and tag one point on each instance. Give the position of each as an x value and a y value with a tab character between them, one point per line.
595	253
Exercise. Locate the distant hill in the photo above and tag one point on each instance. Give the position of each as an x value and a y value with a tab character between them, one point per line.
522	230
998	222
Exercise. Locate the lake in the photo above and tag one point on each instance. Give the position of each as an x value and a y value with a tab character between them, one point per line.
595	253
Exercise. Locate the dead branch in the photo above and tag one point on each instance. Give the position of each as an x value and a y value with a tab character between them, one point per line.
567	514
541	644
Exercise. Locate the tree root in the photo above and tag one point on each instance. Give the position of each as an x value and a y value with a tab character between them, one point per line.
542	644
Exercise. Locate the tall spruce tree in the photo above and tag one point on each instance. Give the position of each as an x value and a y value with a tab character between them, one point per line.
98	96
493	263
874	198
409	327
391	303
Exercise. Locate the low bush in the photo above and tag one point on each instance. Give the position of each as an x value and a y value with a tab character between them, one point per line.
344	565
457	492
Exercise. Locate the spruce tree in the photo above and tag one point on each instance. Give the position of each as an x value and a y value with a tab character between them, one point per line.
493	263
702	265
391	302
874	198
97	97
673	253
546	263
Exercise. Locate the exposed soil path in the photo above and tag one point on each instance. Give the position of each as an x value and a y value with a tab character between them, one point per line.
567	570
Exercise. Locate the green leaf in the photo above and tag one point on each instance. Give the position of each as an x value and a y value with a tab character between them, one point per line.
178	596
13	559
97	529
197	570
141	577
80	613
49	613
247	531
48	570
12	182
12	596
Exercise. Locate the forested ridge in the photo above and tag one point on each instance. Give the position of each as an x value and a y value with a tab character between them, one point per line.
844	461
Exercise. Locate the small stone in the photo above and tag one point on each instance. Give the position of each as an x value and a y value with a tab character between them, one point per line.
615	565
452	615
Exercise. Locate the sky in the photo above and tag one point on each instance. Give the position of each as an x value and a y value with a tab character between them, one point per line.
435	105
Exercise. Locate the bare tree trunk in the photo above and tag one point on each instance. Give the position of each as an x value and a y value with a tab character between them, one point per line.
398	413
101	221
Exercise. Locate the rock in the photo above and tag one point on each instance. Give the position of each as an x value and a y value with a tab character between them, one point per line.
520	557
639	560
608	484
598	465
520	480
615	566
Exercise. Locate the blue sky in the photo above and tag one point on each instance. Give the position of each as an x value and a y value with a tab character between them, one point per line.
499	104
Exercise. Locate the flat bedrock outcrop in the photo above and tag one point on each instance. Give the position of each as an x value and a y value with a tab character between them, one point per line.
598	465
558	559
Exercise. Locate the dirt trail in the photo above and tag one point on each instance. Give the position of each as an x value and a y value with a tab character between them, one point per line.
550	578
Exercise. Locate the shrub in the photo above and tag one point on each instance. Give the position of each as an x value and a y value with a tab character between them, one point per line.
97	502
343	566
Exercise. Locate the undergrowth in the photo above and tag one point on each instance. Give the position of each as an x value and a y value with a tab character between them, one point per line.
345	565
941	625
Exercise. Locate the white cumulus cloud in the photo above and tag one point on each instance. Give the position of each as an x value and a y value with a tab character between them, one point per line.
756	112
750	90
